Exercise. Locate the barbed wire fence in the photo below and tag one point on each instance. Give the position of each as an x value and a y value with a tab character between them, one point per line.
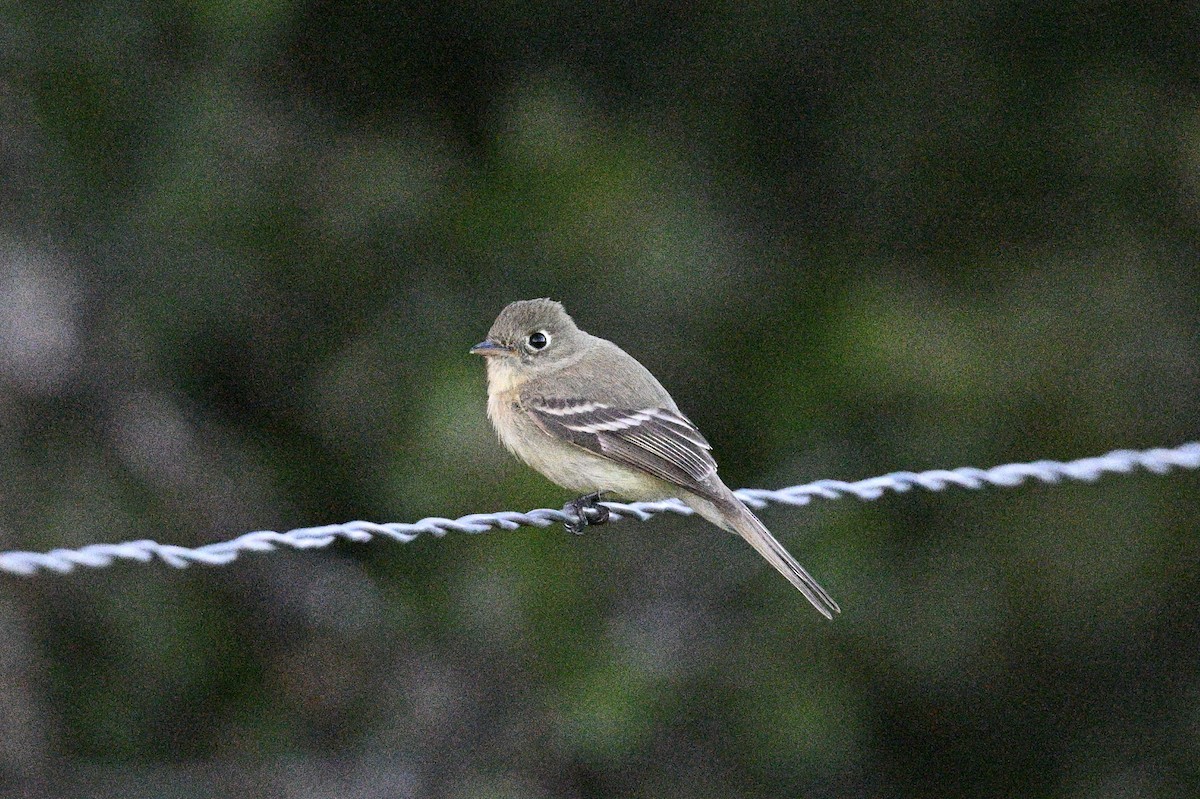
1156	461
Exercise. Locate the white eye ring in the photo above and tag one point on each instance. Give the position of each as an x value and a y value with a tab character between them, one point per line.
537	341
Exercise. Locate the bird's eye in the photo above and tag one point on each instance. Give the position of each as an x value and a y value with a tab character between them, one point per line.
539	340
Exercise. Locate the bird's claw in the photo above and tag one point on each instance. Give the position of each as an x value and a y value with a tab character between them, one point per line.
584	511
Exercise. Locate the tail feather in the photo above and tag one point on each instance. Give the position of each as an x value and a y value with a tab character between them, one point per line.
747	525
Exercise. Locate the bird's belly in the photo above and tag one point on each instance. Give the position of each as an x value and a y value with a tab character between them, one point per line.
580	471
574	468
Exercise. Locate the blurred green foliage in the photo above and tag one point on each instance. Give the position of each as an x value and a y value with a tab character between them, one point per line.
244	248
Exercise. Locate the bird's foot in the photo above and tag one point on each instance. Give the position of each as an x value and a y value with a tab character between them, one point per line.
584	511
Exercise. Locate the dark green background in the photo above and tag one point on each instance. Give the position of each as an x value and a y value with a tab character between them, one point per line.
244	248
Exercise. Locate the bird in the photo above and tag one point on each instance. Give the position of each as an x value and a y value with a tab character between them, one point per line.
588	416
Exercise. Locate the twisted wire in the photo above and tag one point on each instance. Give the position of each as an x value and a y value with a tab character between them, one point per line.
1155	461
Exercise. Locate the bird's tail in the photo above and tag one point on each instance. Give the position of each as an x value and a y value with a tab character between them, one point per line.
747	525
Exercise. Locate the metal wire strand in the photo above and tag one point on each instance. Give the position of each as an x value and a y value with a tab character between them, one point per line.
1155	461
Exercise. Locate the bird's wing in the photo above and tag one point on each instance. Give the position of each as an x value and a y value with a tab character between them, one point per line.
660	441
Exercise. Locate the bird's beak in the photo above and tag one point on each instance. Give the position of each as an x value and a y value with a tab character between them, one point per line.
490	348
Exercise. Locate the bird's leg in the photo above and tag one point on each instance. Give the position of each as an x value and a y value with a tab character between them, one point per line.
584	511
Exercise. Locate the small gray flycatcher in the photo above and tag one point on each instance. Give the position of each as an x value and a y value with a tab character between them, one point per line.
587	415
